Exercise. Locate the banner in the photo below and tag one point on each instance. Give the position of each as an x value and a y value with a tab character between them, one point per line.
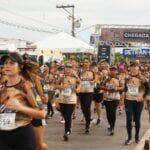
104	53
136	52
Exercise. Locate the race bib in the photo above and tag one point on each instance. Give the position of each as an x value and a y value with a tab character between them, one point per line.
7	121
67	92
133	90
86	84
111	86
45	88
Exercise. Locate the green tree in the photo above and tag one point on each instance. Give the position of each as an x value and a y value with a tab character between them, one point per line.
119	58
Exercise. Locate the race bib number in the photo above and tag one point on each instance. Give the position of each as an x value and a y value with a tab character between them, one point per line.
45	88
111	86
133	90
7	120
86	84
67	92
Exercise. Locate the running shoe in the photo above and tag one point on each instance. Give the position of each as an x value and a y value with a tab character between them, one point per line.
137	140
111	132
62	121
128	142
74	116
66	138
87	131
48	116
52	113
98	121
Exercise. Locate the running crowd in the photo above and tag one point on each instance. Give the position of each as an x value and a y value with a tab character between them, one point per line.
26	89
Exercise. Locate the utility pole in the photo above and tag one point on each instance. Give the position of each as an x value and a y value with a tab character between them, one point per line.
65	7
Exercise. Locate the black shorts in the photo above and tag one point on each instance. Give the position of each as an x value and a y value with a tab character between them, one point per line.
98	97
22	138
37	122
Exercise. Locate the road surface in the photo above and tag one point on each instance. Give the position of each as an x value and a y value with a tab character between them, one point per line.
98	138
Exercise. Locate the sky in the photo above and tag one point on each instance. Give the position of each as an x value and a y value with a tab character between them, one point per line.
25	12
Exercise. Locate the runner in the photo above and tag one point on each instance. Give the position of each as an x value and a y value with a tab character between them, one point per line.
97	95
134	91
18	106
147	90
68	100
50	87
36	79
85	90
121	77
111	98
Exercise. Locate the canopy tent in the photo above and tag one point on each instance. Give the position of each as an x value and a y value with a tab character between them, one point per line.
8	47
65	43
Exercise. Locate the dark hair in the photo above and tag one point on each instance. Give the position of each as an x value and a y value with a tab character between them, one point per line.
30	67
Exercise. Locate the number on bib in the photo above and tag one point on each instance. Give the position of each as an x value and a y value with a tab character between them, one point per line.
133	90
7	120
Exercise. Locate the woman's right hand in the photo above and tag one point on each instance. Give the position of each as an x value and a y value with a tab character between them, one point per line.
14	104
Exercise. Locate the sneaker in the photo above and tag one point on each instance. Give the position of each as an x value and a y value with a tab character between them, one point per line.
111	133
98	121
137	140
68	133
52	114
128	142
66	138
62	121
87	131
108	129
48	116
74	117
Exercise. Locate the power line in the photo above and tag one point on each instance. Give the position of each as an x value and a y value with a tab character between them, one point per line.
23	26
58	29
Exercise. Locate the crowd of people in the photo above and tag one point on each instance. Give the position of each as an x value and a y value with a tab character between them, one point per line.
26	88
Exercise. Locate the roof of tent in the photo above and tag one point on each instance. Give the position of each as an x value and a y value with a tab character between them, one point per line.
66	43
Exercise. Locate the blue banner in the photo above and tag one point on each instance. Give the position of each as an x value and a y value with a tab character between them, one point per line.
104	53
136	52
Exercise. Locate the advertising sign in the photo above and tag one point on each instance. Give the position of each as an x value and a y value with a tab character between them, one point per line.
125	35
104	53
94	39
136	52
137	35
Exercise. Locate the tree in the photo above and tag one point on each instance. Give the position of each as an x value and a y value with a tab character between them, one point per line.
119	58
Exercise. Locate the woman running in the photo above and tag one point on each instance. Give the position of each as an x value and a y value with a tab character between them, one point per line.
85	90
68	101
97	95
111	98
36	78
17	107
134	91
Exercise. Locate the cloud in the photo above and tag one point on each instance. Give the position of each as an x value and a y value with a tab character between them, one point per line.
91	11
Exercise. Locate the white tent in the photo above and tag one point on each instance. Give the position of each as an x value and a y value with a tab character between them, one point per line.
9	47
66	43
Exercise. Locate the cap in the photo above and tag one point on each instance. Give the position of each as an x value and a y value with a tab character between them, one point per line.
14	56
113	68
134	64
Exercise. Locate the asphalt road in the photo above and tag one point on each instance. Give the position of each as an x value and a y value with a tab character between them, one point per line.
98	138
